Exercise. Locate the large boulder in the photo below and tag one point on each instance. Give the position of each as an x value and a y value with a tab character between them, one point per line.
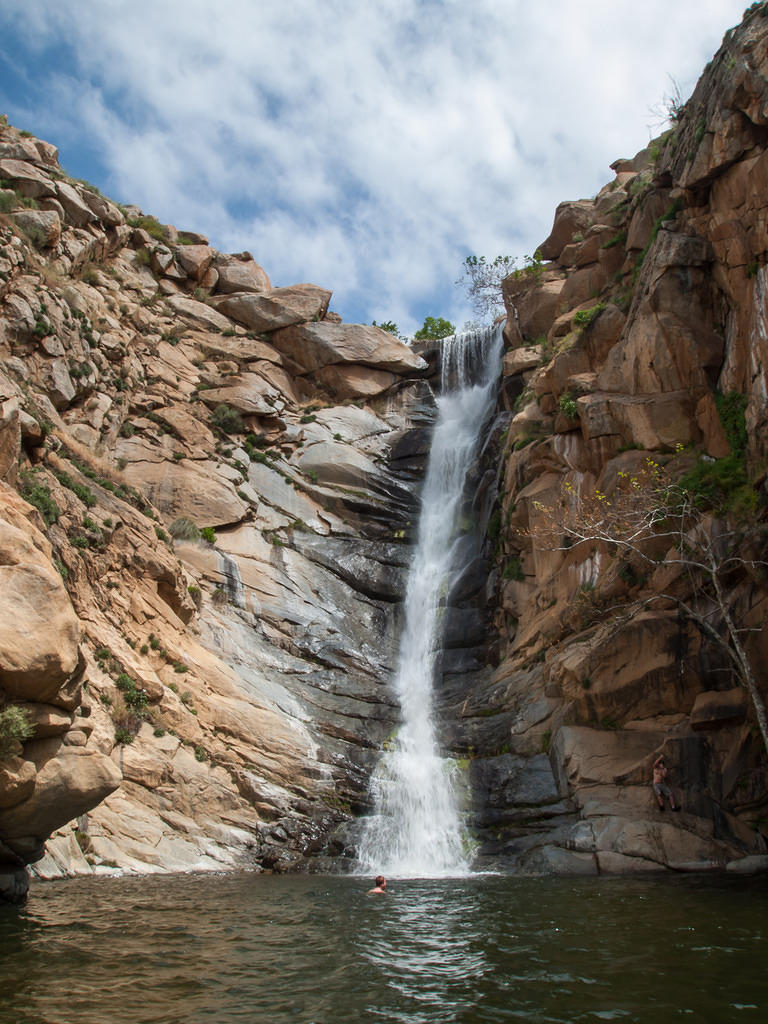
27	180
315	345
69	782
42	227
197	490
279	307
351	381
570	218
249	393
39	631
76	209
241	276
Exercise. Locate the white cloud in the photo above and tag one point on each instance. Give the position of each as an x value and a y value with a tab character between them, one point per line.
366	146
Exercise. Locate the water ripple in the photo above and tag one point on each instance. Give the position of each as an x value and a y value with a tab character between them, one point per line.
319	951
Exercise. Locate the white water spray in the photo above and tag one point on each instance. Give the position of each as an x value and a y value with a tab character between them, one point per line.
416	829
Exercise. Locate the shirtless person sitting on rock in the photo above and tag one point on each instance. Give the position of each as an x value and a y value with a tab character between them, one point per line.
660	787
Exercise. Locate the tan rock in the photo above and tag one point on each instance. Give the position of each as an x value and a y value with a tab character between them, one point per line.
314	345
653	206
241	276
708	422
196	490
48	720
194	260
582	286
76	210
279	307
649	421
107	212
27	179
19	149
535	308
198	314
716	709
194	433
42	227
249	393
10	436
17	781
332	462
69	781
350	381
240	348
39	630
521	359
570	219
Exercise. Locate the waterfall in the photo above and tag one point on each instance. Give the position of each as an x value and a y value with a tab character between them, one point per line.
416	828
233	581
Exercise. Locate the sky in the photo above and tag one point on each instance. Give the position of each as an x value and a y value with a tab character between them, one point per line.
368	147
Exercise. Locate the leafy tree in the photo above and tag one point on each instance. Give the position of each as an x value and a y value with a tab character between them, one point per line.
482	279
650	518
434	329
389	326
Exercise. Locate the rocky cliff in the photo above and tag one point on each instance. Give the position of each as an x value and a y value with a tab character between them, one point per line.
640	323
207	493
208	487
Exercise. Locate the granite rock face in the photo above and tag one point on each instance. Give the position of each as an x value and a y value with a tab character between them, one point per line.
652	306
195	700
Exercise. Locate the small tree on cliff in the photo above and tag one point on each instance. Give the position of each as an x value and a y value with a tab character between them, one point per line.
481	278
389	326
648	519
434	329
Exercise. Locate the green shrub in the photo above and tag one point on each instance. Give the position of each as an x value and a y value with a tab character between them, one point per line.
227	420
207	533
618	239
513	569
721	485
184	528
568	406
85	494
123	736
731	410
585	317
151	225
38	494
15	727
134	696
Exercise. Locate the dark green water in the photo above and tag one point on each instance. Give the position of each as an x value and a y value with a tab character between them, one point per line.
485	949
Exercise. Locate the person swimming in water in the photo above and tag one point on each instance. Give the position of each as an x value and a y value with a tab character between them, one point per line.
380	885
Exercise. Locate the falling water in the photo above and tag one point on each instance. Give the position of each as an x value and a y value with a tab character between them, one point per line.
416	829
233	581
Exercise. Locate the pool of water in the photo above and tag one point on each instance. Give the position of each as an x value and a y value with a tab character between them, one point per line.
316	949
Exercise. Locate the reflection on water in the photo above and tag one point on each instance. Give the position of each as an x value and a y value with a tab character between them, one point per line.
319	951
